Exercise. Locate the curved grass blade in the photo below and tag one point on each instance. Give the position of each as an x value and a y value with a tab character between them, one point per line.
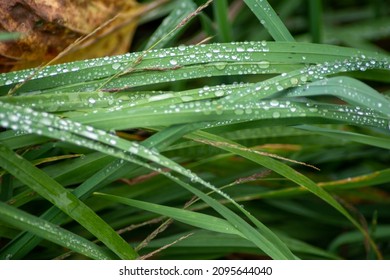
348	89
64	200
309	74
167	30
19	219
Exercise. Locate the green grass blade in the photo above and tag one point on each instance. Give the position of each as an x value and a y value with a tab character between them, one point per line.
224	31
381	142
64	200
192	218
348	89
315	16
268	17
214	242
167	30
19	219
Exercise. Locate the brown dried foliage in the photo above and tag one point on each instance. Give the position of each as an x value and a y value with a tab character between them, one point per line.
48	27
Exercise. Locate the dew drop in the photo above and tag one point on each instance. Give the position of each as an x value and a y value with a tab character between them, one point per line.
275	115
4	123
160	97
303	78
239	111
264	64
133	150
173	62
116	66
279	87
219	93
187	98
274	103
220	66
294	81
13	118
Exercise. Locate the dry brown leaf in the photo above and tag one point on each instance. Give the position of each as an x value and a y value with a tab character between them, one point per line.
49	27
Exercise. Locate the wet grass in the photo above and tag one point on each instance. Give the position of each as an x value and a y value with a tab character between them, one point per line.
264	134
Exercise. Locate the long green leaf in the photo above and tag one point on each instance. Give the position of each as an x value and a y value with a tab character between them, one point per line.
268	17
185	216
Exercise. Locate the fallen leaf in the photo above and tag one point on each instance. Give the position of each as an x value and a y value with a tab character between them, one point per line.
66	30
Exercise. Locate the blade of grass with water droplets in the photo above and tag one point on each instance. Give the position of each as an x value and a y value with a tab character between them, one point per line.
22	220
167	29
64	200
223	112
268	17
309	74
348	89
